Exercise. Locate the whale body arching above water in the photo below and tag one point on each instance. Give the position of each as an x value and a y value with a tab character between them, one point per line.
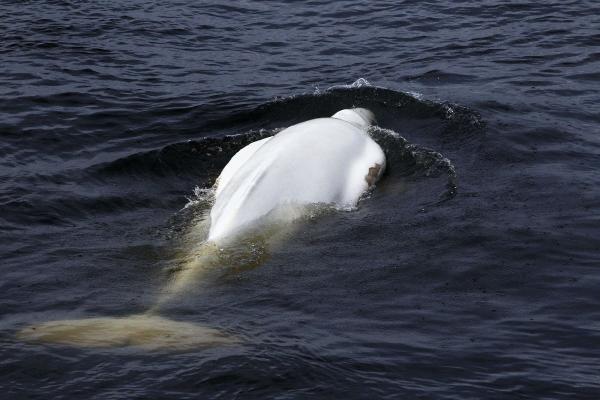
324	160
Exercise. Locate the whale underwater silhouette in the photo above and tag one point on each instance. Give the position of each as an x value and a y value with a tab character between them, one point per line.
331	161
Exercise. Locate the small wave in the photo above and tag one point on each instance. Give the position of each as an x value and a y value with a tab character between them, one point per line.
200	197
422	161
359	83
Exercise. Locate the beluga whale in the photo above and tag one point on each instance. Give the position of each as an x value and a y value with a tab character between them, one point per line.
273	181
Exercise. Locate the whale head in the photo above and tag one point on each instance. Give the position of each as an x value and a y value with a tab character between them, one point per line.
360	117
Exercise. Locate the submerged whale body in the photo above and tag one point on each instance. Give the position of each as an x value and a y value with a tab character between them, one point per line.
324	160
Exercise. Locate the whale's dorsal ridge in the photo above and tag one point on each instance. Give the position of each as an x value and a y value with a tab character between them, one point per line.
361	117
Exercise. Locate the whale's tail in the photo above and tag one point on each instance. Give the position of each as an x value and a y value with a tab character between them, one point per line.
142	331
147	331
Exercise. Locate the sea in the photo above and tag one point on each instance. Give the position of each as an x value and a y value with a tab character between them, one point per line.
471	271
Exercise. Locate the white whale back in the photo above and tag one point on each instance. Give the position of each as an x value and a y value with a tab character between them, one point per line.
324	160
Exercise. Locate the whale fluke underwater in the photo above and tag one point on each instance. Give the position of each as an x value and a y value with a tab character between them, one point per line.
331	161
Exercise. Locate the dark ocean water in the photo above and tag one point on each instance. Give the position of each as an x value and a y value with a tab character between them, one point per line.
471	272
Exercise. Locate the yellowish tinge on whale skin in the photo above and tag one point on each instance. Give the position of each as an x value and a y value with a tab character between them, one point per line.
147	332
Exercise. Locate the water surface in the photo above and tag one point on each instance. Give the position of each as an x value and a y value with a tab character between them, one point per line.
470	272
